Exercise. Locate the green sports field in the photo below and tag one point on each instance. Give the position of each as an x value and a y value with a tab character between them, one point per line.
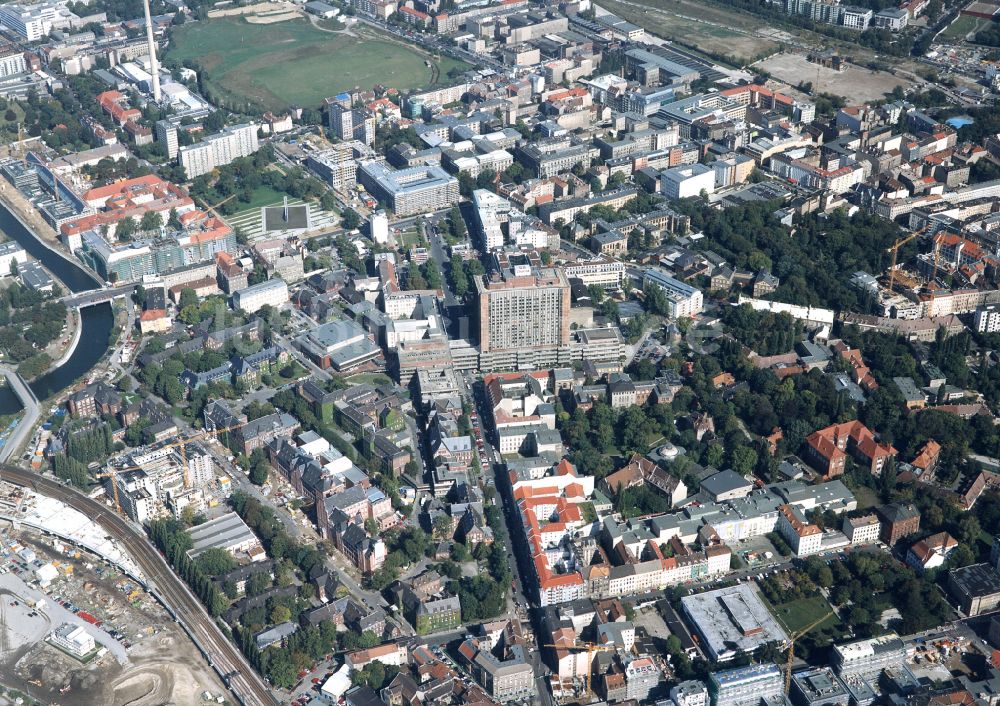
293	63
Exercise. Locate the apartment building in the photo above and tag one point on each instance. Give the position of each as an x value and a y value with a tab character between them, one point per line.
166	133
349	123
804	537
861	530
11	61
683	300
273	292
218	150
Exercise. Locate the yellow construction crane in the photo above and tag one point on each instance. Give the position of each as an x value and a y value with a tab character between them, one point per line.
937	257
894	249
590	648
791	647
111	473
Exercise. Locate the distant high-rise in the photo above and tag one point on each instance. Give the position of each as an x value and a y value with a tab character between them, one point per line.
154	66
350	123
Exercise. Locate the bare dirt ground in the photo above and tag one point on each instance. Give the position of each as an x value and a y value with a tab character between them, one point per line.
855	84
701	26
259	8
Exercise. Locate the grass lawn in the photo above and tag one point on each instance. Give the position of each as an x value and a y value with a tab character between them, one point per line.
265	196
293	63
370	378
963	24
800	614
865	496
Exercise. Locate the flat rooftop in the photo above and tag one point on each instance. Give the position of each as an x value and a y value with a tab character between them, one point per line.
732	620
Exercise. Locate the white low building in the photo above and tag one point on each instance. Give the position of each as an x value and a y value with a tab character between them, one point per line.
73	639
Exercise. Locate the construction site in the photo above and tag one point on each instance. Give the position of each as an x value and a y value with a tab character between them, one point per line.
76	628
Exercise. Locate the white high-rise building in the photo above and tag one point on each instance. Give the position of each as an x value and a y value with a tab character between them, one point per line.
12	62
166	132
218	150
201	468
35	21
987	319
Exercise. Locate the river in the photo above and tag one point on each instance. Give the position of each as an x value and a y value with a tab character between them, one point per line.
97	321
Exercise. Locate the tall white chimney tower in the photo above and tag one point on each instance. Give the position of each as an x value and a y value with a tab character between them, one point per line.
154	65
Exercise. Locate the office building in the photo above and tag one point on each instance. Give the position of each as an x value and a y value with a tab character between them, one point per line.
409	191
818	687
687	181
898	520
683	300
731	621
166	133
273	292
524	318
218	150
867	658
689	693
745	685
11	255
73	639
893	19
338	344
976	588
802	536
36	21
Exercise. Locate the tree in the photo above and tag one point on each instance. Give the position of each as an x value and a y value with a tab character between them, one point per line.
258	467
126	228
188	297
350	219
280	614
151	220
432	274
215	561
442	526
743	460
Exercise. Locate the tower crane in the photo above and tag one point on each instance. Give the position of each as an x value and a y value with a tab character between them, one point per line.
791	645
181	444
894	249
590	648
